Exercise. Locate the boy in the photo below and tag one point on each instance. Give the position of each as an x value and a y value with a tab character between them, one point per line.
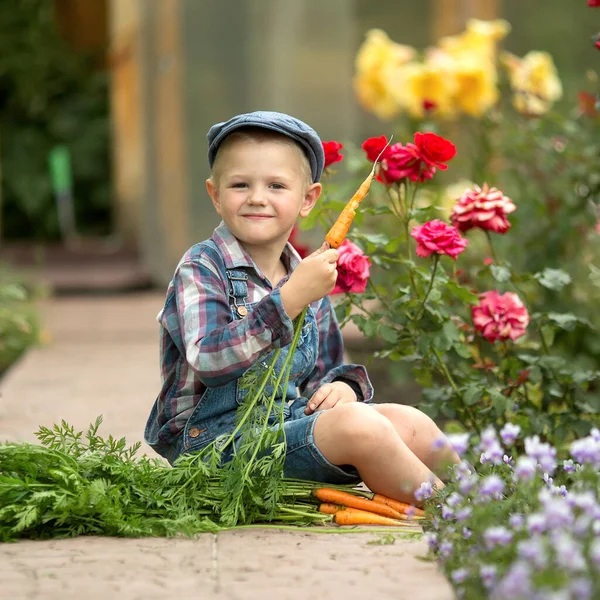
232	302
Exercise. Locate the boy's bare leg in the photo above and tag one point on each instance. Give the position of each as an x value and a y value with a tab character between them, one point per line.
422	436
355	434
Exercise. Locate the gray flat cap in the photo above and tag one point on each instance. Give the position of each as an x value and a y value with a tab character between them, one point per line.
299	131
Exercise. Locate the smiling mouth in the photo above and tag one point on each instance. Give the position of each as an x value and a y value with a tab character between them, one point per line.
257	217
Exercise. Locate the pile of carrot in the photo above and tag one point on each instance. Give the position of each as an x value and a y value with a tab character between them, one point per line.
349	509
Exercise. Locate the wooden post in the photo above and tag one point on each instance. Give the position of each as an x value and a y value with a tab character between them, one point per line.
127	108
450	16
170	132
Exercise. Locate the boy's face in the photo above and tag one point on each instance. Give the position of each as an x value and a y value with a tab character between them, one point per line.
261	190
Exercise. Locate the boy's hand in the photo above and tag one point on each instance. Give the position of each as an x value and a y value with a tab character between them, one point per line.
330	394
312	279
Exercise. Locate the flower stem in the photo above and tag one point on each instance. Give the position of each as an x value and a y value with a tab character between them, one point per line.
491	245
451	381
421	308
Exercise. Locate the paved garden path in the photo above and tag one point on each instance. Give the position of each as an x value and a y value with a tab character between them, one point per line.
101	358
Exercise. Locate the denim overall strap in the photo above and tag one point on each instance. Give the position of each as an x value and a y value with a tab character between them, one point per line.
238	291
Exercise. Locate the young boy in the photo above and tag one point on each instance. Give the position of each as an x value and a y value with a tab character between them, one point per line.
232	302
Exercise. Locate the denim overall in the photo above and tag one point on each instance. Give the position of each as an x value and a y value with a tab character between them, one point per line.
214	415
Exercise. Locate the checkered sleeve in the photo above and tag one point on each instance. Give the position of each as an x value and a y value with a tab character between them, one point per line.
218	349
330	360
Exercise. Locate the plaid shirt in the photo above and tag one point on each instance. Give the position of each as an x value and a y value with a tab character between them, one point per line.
201	346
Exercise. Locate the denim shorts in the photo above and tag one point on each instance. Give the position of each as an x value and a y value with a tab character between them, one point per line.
303	460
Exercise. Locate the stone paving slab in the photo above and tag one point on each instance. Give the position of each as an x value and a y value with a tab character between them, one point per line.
102	358
236	565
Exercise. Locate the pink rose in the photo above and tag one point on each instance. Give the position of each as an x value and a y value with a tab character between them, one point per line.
483	207
500	317
437	237
353	269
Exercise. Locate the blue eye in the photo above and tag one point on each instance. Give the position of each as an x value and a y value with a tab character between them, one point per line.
278	186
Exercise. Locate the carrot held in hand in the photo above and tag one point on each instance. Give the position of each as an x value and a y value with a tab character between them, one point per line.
401	507
337	234
353	516
332	496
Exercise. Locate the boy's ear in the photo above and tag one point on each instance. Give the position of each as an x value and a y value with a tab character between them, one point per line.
310	199
213	192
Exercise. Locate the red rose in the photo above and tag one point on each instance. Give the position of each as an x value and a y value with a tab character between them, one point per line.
437	237
404	161
500	317
434	150
353	269
483	207
302	249
373	147
596	41
332	153
593	3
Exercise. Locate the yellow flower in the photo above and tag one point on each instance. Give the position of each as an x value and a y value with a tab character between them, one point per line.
376	64
474	77
534	80
479	39
419	87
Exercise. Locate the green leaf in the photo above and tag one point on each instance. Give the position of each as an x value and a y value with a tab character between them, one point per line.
500	273
472	394
388	334
594	275
553	279
462	293
565	321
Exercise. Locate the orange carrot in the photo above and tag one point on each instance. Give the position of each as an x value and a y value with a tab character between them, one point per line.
401	507
337	234
331	496
344	515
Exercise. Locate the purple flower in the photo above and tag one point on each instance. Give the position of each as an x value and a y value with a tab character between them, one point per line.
447	512
509	433
543	453
581	589
497	536
525	468
459	442
459	575
446	548
466	484
569	466
558	513
507	460
582	525
533	550
488	575
536	523
425	491
516	521
492	487
431	539
587	450
586	501
568	552
454	499
516	583
463	514
467	533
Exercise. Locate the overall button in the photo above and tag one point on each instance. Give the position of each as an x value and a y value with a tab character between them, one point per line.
194	432
242	311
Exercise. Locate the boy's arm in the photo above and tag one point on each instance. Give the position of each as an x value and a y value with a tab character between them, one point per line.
219	350
330	359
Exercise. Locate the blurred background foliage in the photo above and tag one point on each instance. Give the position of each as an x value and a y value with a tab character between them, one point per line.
50	95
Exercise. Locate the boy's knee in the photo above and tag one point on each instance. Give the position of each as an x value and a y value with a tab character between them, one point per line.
362	425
